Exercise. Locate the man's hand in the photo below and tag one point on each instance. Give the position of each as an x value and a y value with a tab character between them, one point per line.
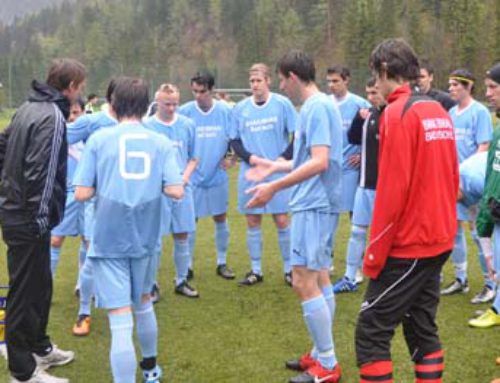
355	160
259	172
364	113
262	194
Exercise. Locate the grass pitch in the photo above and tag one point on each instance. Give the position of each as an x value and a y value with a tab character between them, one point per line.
236	334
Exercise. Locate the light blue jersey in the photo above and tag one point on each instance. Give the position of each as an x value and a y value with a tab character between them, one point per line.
129	166
319	124
181	131
349	107
472	176
211	142
264	131
473	126
85	125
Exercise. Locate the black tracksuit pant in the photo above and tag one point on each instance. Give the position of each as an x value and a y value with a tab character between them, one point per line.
28	300
407	292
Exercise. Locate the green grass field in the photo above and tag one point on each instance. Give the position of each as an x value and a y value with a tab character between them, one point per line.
238	335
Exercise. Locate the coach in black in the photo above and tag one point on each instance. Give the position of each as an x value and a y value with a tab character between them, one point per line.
33	155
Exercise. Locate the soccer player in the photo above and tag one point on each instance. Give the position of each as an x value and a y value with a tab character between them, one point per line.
127	168
209	180
315	177
349	104
488	220
473	132
365	132
81	130
92	100
261	130
181	219
33	157
414	222
73	220
424	82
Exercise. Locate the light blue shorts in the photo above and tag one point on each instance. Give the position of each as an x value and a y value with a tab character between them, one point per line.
310	233
210	201
73	223
121	282
179	216
350	182
463	213
277	205
363	207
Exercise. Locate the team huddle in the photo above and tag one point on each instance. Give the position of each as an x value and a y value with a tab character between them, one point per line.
409	163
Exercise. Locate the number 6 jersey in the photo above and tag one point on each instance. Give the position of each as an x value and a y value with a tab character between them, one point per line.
128	166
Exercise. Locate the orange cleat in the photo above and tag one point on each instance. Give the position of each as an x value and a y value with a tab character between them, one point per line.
82	326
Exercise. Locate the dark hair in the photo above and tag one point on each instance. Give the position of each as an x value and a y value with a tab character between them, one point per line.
396	58
91	96
63	72
494	73
80	102
130	97
464	77
424	63
341	70
204	78
110	89
298	62
370	83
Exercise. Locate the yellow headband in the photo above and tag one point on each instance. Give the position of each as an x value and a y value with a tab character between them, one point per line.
460	78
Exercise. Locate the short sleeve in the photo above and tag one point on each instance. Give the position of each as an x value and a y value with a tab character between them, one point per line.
318	128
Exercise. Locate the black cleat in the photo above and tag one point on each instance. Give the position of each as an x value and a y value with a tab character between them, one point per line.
251	279
186	290
225	272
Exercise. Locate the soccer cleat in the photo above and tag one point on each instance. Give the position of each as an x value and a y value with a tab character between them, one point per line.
305	362
251	279
225	272
487	294
288	278
318	374
344	285
155	293
185	289
190	274
456	287
56	357
488	319
152	376
82	326
40	376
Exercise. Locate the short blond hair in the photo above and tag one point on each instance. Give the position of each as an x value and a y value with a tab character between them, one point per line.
260	68
168	89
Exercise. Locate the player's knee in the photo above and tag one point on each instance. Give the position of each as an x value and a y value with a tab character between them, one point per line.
220	218
254	220
56	241
281	221
181	236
